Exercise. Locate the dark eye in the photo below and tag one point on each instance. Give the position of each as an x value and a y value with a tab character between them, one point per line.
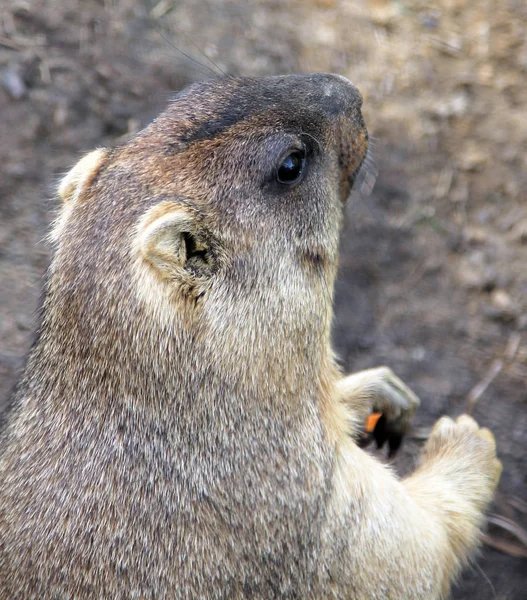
291	168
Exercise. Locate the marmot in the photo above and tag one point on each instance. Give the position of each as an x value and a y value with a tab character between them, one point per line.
182	429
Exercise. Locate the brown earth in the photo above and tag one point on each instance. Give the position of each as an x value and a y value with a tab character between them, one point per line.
433	278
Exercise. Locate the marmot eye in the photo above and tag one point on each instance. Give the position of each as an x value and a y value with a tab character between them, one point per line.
292	167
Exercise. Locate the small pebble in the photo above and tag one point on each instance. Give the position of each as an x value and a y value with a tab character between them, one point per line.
13	84
500	299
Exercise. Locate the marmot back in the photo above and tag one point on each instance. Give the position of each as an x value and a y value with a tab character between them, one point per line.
182	429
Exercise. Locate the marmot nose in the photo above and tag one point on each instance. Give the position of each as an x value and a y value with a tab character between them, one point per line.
335	93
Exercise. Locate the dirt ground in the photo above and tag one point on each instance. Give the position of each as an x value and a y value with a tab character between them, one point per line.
433	277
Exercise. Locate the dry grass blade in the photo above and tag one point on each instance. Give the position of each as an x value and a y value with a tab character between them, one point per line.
8	43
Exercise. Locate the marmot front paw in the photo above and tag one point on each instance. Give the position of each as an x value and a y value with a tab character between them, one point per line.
471	454
380	390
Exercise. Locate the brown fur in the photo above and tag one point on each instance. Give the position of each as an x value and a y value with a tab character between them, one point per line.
182	429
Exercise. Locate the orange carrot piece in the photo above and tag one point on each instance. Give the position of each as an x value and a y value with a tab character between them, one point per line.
371	422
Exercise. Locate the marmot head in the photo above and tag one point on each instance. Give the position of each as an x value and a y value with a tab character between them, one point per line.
219	221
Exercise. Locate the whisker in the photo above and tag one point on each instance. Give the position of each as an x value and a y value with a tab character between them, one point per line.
206	68
486	579
367	174
313	138
204	55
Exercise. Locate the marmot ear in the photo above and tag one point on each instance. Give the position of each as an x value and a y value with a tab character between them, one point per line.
74	184
172	241
82	175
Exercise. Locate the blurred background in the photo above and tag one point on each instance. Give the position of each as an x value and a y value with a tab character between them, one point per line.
433	274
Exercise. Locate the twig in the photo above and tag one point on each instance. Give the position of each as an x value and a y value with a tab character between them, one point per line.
495	369
512	347
479	389
445	182
161	9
